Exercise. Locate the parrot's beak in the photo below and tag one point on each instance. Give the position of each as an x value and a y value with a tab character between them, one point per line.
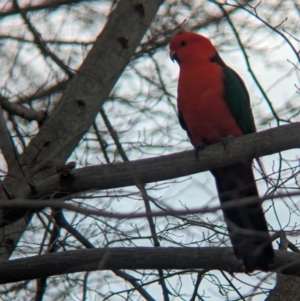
173	55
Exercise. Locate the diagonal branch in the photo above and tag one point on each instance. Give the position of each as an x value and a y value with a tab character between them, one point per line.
22	111
81	101
42	93
145	197
40	43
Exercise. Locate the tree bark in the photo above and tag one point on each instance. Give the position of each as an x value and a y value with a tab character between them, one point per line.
208	258
287	286
77	108
167	167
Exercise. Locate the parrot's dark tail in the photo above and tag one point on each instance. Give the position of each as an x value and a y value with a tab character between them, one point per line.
247	225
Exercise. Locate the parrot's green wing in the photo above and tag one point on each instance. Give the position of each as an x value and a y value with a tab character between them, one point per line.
237	97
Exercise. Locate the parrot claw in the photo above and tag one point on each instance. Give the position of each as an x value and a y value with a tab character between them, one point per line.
226	139
198	148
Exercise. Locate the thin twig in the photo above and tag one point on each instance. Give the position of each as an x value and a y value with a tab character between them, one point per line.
40	6
145	197
248	63
59	204
62	222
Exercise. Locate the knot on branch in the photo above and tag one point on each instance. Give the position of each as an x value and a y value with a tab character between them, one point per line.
65	172
139	8
124	42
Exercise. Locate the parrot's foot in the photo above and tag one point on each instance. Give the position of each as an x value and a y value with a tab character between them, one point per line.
226	139
198	148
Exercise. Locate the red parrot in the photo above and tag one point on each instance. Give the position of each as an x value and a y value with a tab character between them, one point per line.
213	105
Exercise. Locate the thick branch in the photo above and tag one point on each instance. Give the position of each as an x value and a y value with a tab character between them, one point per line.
68	181
209	258
170	166
81	101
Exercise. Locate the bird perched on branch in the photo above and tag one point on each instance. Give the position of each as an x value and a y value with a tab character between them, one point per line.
213	105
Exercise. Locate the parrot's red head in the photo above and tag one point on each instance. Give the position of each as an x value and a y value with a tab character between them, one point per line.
188	46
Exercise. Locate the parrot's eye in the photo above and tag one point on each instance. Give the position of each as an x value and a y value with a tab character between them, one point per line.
183	43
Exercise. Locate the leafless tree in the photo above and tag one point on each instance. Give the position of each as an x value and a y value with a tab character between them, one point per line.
101	196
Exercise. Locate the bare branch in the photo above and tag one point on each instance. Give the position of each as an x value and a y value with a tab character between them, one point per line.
58	204
22	111
168	167
44	5
154	169
209	258
62	222
40	43
145	197
85	94
57	88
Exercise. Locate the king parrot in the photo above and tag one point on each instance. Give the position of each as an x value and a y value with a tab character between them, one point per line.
213	105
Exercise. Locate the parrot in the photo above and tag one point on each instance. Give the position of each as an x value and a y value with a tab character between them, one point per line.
214	106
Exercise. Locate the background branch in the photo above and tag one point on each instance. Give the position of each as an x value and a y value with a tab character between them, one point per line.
22	111
44	5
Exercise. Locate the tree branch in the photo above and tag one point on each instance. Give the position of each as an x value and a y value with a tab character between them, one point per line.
6	145
44	5
42	93
69	182
22	111
40	43
81	101
146	199
167	167
208	258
